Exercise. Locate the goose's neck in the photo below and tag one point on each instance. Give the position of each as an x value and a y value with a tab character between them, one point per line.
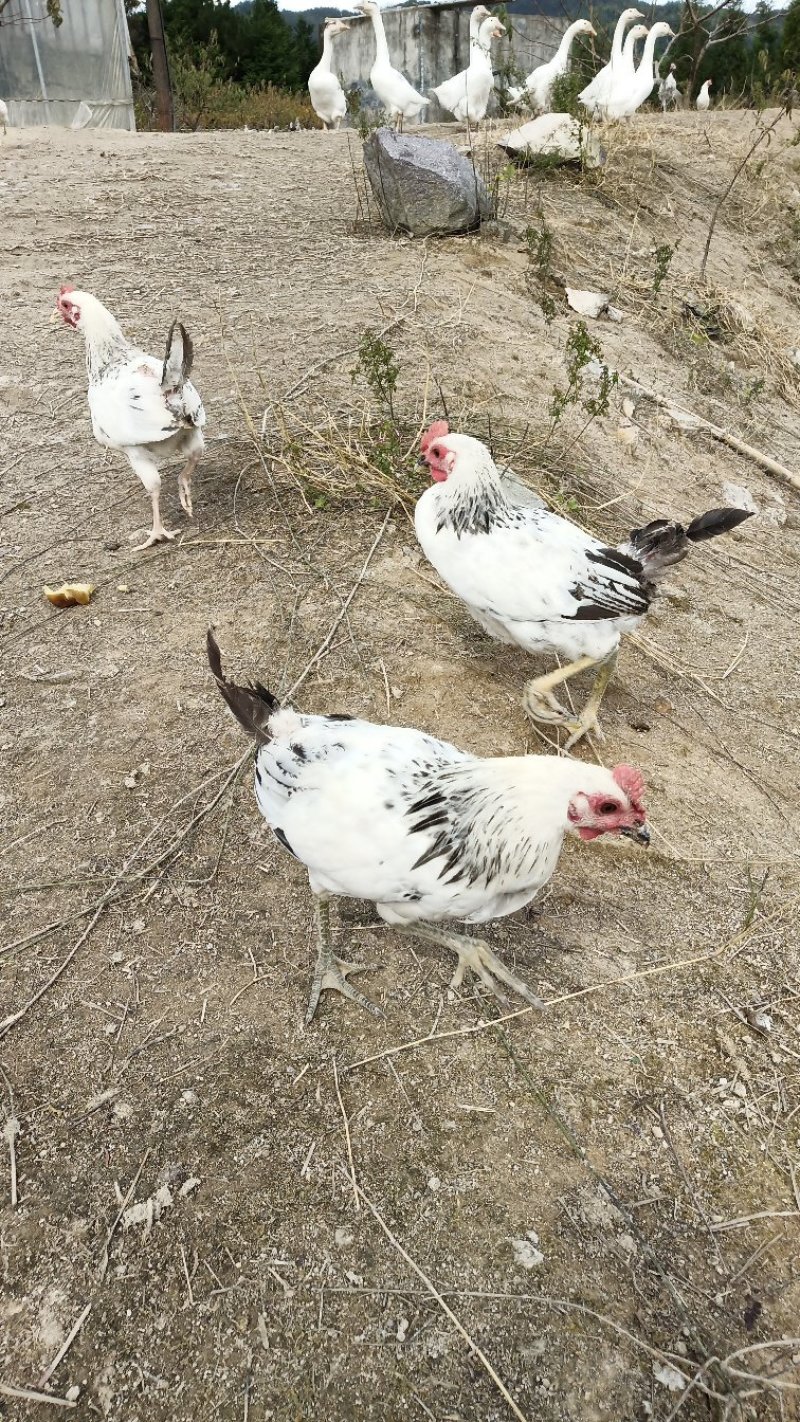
567	40
327	51
647	56
381	46
616	43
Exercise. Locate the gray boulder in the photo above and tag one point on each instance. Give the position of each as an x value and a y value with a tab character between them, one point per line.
422	185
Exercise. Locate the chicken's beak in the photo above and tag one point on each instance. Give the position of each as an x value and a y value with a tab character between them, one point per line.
640	834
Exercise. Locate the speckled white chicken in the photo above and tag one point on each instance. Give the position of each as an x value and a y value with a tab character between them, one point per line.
147	408
425	831
531	578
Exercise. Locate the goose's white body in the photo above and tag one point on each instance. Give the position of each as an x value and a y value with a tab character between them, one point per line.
3	115
538	87
399	98
703	99
449	92
467	95
326	93
629	95
593	96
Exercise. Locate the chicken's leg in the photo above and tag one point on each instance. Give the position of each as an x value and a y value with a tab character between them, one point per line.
185	481
587	721
331	972
537	698
475	955
147	470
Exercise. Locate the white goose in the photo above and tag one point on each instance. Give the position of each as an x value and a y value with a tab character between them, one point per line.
326	93
400	100
595	92
629	95
538	87
703	98
450	91
477	80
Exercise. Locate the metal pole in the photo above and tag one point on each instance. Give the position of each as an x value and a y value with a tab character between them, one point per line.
161	79
37	57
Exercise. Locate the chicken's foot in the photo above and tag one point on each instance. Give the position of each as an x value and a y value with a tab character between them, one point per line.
474	955
539	703
331	973
587	721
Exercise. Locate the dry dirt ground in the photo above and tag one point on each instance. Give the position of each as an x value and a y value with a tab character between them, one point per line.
605	1196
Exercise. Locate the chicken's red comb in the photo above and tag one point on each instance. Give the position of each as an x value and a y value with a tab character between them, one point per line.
631	781
67	288
437	429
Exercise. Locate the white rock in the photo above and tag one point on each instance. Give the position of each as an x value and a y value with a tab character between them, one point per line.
738	497
526	1254
587	303
669	1377
558	136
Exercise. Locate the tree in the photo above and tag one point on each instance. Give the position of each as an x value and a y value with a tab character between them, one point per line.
704	29
161	79
791	38
52	8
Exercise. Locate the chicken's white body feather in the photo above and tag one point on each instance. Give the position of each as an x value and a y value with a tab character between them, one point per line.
422	829
527	576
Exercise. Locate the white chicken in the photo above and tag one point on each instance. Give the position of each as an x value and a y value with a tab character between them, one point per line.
538	87
466	96
328	98
531	578
146	408
703	100
668	91
422	829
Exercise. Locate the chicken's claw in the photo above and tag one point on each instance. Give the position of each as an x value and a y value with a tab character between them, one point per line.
544	706
474	955
586	724
156	535
333	978
185	496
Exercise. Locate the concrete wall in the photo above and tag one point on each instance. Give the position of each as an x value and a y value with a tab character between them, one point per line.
431	44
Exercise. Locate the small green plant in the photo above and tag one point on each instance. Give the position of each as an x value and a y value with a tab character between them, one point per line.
564	95
379	368
580	349
539	242
664	255
365	120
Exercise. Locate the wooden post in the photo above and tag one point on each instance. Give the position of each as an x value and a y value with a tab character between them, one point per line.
161	79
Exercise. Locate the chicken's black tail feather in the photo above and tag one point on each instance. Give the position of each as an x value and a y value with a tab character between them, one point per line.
660	544
179	358
251	705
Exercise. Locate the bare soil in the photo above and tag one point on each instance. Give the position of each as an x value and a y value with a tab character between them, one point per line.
608	1195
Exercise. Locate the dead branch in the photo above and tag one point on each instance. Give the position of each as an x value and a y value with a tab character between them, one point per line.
764	133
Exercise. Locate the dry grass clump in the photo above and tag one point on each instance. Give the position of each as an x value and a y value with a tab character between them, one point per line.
203	101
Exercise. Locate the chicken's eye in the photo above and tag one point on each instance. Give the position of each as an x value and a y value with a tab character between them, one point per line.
609	807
